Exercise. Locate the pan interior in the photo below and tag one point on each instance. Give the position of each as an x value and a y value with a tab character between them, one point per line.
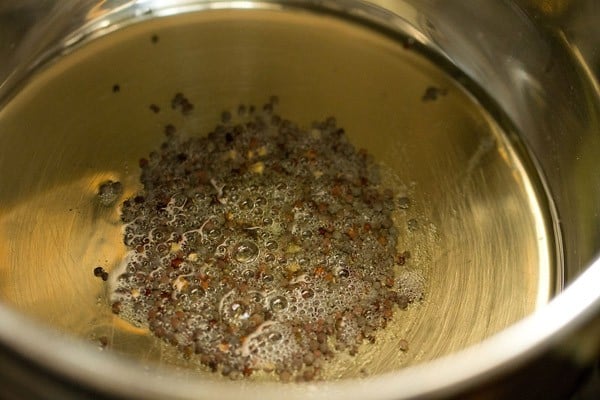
478	224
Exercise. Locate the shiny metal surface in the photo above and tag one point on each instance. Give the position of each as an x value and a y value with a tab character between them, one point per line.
486	236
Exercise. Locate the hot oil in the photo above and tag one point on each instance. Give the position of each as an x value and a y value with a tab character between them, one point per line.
470	208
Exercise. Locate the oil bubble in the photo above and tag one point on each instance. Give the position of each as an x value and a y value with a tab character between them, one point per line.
278	303
246	252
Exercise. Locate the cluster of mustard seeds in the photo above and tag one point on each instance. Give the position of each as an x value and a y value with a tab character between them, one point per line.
261	246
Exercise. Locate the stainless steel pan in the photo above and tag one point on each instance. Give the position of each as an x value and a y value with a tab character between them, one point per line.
512	299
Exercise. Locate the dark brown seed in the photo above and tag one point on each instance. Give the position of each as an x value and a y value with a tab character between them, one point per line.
98	271
116	88
170	130
103	341
402	302
154	108
308	374
177	100
181	157
403	345
408	43
432	93
186	108
285	376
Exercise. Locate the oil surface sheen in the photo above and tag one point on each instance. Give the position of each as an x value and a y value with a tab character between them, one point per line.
471	216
